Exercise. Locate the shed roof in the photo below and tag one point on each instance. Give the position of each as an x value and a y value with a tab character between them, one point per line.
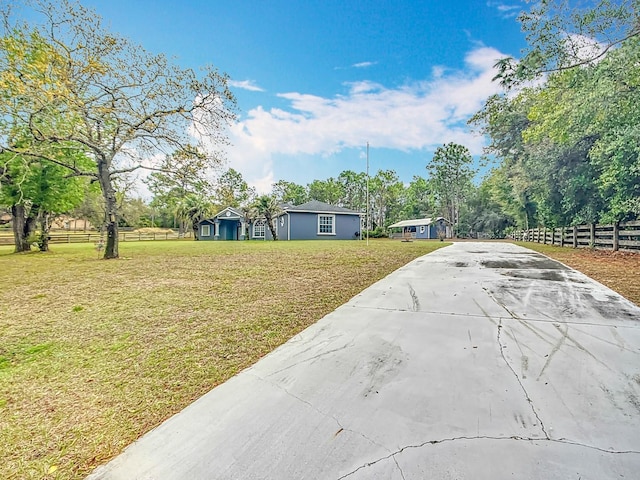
418	222
314	206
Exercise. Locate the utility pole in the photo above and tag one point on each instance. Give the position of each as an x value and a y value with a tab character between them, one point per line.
368	220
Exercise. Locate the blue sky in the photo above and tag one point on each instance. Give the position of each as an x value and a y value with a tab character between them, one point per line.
316	80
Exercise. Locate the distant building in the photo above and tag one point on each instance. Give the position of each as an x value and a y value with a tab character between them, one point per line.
421	228
65	222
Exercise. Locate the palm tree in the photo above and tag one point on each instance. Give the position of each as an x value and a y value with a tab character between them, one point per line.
266	206
194	208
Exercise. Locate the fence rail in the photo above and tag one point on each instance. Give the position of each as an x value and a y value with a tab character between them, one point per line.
94	237
622	236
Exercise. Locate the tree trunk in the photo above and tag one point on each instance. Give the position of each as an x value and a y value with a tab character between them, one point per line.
43	242
23	226
111	210
272	229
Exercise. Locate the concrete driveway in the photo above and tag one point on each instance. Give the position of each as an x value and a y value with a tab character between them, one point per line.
478	361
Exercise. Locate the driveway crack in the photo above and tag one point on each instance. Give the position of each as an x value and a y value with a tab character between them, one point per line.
483	437
341	427
314	357
524	390
414	298
399	469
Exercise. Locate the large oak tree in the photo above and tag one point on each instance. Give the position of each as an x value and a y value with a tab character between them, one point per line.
73	83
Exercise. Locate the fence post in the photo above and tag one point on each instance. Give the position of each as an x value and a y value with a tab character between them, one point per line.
616	236
562	229
592	235
575	236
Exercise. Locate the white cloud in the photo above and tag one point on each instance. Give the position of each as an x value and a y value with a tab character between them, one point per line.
413	117
246	85
364	64
582	48
506	10
438	71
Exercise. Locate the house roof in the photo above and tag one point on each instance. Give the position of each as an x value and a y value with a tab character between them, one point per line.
234	214
314	206
418	222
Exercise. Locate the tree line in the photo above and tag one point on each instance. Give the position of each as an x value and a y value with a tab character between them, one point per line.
568	147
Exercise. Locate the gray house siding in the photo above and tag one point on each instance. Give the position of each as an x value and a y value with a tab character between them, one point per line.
347	227
304	226
211	227
430	231
281	224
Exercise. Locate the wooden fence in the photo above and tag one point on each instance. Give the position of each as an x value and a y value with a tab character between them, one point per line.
94	237
623	236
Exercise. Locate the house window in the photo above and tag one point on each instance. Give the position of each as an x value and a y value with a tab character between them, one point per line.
326	224
258	230
205	230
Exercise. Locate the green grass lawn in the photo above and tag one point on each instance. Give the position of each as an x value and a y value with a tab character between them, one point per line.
95	353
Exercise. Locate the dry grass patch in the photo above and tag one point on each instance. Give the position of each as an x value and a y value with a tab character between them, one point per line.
620	271
95	353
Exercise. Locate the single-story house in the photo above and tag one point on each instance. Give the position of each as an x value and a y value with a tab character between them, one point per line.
313	220
421	228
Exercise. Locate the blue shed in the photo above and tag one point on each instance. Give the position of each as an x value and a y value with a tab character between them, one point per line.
421	228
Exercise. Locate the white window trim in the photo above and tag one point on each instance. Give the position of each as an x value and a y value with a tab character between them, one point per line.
264	229
333	223
205	228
